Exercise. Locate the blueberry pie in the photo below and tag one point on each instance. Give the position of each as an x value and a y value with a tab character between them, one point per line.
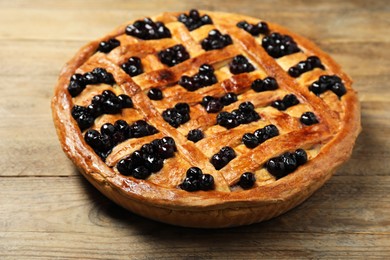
205	119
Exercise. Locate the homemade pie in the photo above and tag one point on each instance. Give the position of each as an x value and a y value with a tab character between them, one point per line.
205	119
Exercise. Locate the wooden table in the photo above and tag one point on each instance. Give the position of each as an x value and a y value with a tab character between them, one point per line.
47	210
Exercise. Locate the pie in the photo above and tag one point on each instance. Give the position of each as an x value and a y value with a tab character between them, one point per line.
205	119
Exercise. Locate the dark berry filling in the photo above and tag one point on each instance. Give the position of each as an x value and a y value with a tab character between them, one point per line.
259	136
286	163
149	159
288	101
254	29
240	64
311	63
107	46
111	135
223	157
205	77
196	180
247	180
309	118
245	114
195	135
174	55
269	83
147	30
215	40
133	66
214	105
177	115
193	20
327	82
278	45
155	94
78	82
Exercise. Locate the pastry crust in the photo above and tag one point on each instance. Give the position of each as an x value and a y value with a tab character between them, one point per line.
328	143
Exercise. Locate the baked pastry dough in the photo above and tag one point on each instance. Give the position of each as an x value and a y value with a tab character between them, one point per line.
205	119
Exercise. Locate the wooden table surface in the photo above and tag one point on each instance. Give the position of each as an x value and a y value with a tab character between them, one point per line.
47	210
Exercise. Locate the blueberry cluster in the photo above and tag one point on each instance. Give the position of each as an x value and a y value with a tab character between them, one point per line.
78	82
259	136
174	55
109	45
214	105
288	101
269	83
286	163
148	30
205	77
112	134
133	66
247	180
278	45
310	63
328	82
254	29
197	180
223	157
308	118
149	159
193	20
245	114
106	103
215	40
195	135
155	94
240	64
177	115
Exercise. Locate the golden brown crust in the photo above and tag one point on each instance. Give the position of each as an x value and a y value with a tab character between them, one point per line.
332	139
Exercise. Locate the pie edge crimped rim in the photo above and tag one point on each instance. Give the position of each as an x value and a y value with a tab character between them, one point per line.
199	209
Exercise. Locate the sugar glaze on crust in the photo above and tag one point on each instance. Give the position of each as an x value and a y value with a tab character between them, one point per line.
328	143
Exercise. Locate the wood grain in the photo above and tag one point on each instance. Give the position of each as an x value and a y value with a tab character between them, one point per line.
48	211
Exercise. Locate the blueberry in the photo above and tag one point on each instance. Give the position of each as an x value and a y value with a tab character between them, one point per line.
194	173
188	83
270	131
227	120
75	88
294	72
228	152
270	83
318	88
214	106
107	46
290	100
153	163
166	150
255	30
90	78
219	161
206	182
133	66
206	100
315	62
240	64
290	162
103	76
147	29
206	69
155	94
339	89
250	140
174	55
94	109
276	167
247	180
190	185
195	135
83	117
229	98
147	149
112	106
141	172
278	45
215	40
125	166
169	141
125	101
91	137
308	118
246	106
121	126
182	108
300	156
194	20
108	129
139	129
105	143
107	94
173	117
137	158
